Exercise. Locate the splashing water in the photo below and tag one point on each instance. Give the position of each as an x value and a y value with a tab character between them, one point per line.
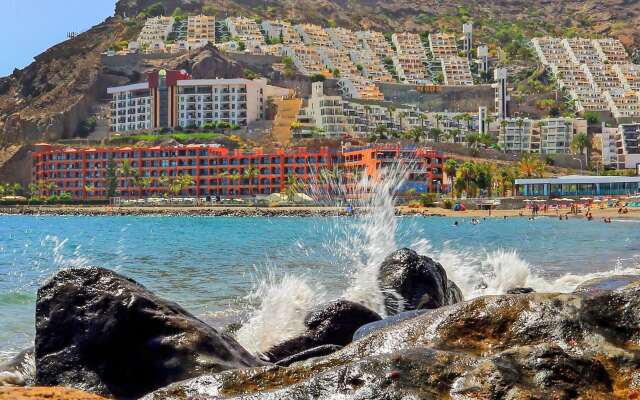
362	242
284	303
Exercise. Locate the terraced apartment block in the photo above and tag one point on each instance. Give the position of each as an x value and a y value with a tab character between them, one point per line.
596	73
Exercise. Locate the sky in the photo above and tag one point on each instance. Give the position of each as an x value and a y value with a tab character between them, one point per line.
49	22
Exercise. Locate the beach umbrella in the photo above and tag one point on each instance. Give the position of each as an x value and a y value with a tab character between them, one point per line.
566	199
585	198
528	201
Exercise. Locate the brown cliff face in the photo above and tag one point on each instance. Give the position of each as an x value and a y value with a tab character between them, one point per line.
50	97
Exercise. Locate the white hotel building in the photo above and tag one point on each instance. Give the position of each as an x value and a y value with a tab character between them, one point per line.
172	99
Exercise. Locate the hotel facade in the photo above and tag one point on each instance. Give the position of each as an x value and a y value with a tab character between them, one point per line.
171	99
216	171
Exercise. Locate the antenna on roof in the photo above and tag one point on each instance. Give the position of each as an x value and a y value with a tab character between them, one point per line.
71	35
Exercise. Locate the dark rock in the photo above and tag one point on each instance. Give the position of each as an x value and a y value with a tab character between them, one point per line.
311	353
520	290
332	323
411	281
599	285
364	330
533	346
454	294
101	332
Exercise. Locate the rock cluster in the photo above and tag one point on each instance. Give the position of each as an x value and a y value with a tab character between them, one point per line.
521	346
100	332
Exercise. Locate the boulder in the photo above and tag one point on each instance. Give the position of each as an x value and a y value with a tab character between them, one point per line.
364	330
332	323
454	294
410	281
101	332
520	290
605	284
311	353
524	346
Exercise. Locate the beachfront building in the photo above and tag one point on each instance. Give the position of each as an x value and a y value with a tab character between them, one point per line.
578	185
172	99
216	171
423	166
201	29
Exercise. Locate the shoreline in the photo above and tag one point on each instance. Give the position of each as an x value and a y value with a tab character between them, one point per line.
301	211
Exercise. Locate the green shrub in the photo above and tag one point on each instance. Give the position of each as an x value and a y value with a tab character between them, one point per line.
447	203
428	199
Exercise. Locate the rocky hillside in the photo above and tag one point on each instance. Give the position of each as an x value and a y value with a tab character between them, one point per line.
52	96
609	17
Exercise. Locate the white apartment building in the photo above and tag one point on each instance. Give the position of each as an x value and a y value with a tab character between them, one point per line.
408	44
131	107
306	58
343	39
246	30
281	31
201	29
410	69
155	30
456	71
326	113
313	35
375	42
555	135
443	45
516	135
236	101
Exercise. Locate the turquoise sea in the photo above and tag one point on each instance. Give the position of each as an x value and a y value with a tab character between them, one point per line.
222	269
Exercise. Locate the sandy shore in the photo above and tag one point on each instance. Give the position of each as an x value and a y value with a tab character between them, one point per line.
223	211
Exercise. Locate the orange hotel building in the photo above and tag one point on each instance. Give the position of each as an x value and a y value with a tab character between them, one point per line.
82	171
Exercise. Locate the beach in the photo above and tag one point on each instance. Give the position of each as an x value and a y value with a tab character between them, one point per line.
298	211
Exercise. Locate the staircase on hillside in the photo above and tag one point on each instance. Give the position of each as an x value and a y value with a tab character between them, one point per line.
288	110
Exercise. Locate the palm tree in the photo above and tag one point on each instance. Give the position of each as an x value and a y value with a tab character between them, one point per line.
468	174
472	139
292	187
391	110
126	172
249	174
529	165
141	183
580	143
467	118
450	168
439	117
34	190
435	134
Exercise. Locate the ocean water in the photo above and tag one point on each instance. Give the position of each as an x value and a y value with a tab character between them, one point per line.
268	272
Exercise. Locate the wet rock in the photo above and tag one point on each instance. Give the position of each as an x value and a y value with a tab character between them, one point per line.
520	290
20	370
394	319
101	332
599	285
332	323
535	345
411	281
454	294
311	353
